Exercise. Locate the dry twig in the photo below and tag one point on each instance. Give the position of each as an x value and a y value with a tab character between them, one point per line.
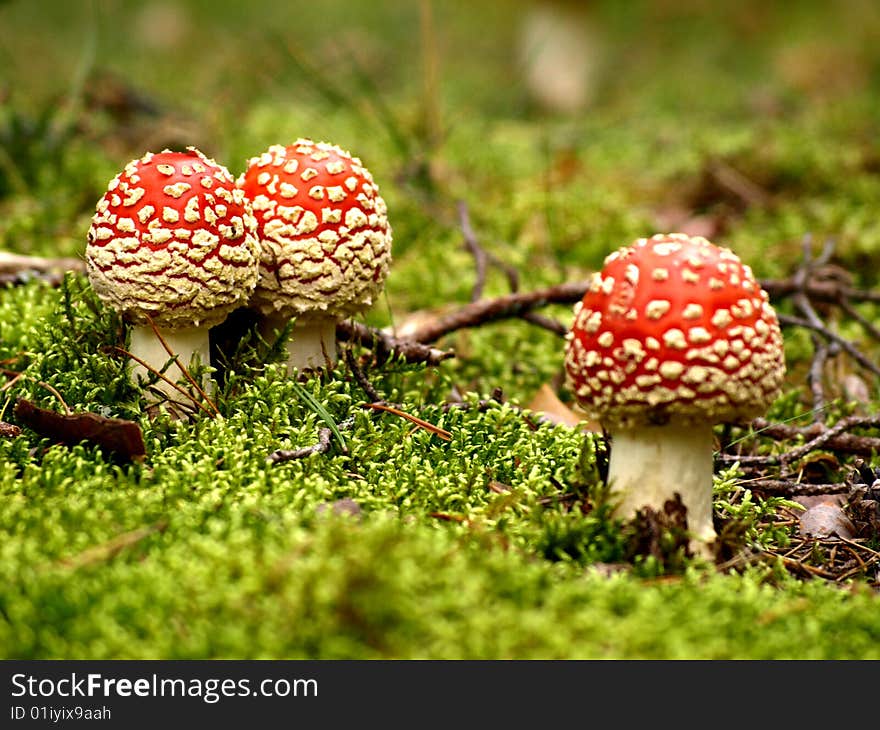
109	549
385	346
420	422
503	307
322	446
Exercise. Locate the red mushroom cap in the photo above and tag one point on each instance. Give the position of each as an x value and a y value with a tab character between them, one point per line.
323	228
173	238
674	327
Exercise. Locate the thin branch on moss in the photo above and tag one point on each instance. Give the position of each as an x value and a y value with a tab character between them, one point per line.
54	392
495	399
321	447
483	258
178	409
835	438
548	323
476	250
851	311
833	337
12	381
19	375
796	489
420	422
385	346
841	427
821	353
829	291
106	551
843	442
503	307
361	378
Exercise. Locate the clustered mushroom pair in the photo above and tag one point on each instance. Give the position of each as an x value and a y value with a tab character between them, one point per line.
177	243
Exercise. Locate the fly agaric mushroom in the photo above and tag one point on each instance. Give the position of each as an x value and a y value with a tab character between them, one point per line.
673	336
172	241
326	243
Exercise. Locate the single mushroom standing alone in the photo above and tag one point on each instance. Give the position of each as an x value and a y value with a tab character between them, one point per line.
172	241
673	336
326	243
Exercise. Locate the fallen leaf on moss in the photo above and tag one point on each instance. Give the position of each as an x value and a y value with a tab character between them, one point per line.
546	402
9	430
118	435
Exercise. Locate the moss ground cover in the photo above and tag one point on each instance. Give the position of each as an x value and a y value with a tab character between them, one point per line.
403	544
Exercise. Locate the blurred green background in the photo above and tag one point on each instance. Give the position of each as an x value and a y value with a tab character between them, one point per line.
441	101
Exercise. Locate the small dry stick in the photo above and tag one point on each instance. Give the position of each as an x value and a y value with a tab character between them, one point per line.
482	257
12	381
361	377
845	442
814	376
384	345
833	337
101	553
822	439
54	392
436	430
851	311
548	323
799	489
281	455
473	245
179	409
831	292
489	310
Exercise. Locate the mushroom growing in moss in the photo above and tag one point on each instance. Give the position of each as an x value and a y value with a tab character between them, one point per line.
172	241
673	336
326	243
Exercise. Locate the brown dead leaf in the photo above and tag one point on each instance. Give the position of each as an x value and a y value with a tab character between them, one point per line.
546	402
824	520
9	430
118	435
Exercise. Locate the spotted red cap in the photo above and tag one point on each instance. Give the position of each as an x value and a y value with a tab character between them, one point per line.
173	238
674	326
323	228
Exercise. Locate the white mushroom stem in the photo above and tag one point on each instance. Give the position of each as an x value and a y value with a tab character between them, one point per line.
312	341
190	345
649	464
